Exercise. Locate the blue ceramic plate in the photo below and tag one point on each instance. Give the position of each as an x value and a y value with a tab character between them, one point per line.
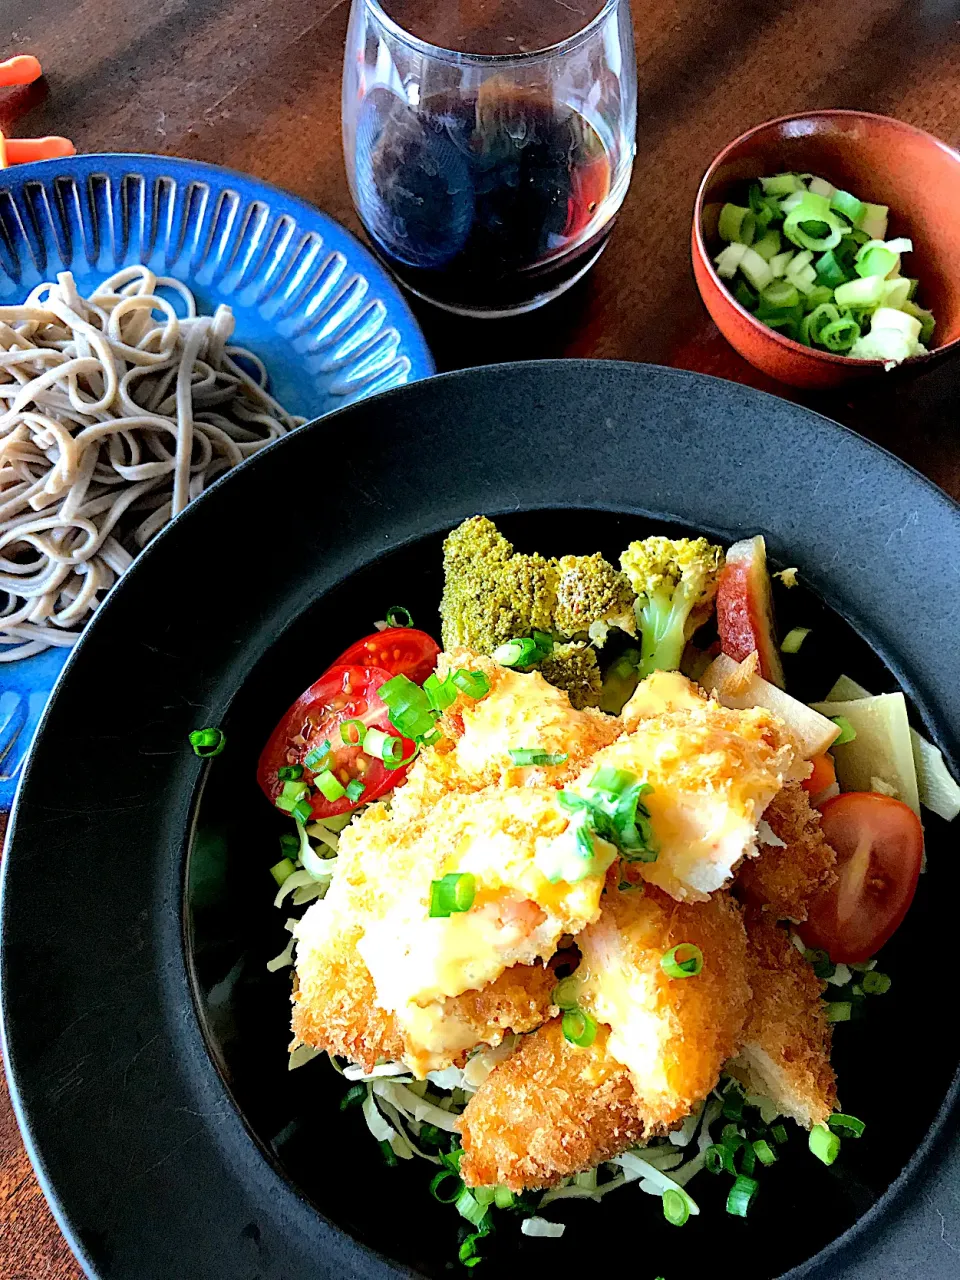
326	320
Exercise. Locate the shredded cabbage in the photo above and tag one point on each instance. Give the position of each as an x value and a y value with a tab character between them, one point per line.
541	1227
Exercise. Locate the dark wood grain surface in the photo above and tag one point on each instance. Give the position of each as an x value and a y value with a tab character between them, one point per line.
256	86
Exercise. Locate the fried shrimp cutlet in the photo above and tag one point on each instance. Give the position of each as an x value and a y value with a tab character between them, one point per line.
501	843
713	771
335	1004
552	1109
784	878
521	710
549	1110
785	1052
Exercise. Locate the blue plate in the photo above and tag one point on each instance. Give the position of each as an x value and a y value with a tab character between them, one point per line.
313	304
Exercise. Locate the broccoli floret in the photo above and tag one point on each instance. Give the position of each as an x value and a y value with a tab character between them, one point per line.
574	668
592	597
676	583
491	595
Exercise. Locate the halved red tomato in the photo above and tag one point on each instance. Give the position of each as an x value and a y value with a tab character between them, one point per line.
342	693
403	651
879	846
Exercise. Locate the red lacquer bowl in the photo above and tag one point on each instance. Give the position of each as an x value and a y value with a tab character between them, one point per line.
878	159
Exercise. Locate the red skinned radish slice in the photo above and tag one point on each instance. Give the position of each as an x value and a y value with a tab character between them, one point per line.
745	608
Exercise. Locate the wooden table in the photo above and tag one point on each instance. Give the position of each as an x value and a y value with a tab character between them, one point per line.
257	86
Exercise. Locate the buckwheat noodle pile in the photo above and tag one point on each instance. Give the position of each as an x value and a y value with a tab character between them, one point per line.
114	413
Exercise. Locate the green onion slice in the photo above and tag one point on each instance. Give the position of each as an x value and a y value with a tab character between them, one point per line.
356	1093
838	1010
398	616
566	993
848	205
719	1159
290	772
741	1196
302	811
389	1155
453	894
876	984
282	871
675	1207
352	732
874	259
410	711
531	756
579	1028
440	693
522	652
472	683
329	786
737	225
794	639
764	1152
811	225
208	742
824	1144
289	845
469	1206
314	757
446	1186
354	790
846	1126
839	335
779	1134
383	746
847	732
682	961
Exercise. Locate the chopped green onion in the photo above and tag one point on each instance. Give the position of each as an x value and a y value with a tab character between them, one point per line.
566	993
829	270
846	1126
579	1028
682	961
874	259
290	793
302	811
733	1103
864	293
839	335
446	1186
769	245
737	224
794	639
731	1135
473	683
350	727
440	693
779	1134
290	772
503	1198
811	225
741	1196
313	758
820	962
522	652
847	732
745	296
851	208
838	1010
468	1250
389	1155
469	1206
355	790
282	870
780	294
453	894
329	787
764	1152
758	272
675	1207
410	711
876	984
383	746
356	1093
207	743
824	1144
289	845
781	184
748	1158
719	1159
530	756
398	616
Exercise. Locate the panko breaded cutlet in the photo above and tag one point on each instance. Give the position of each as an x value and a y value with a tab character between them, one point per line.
553	1109
783	880
785	1052
520	710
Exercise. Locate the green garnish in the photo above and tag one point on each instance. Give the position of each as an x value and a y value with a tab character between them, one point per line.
682	961
847	732
453	894
565	994
329	786
398	616
440	693
473	683
354	790
282	871
838	1010
207	743
384	746
352	732
875	984
615	811
579	1028
824	1144
846	1126
675	1207
290	772
530	756
524	651
314	757
795	637
764	1152
741	1196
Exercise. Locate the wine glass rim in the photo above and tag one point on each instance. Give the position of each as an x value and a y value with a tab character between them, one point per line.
490	59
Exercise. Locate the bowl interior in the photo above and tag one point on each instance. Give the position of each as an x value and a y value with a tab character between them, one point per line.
232	929
879	160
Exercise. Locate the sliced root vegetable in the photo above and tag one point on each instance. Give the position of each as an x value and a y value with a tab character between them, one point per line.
745	608
815	732
882	747
822	783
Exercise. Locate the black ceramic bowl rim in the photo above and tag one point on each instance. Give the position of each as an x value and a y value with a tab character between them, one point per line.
828	357
681	429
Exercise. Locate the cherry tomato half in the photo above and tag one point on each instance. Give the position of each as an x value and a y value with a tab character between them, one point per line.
342	693
403	651
879	847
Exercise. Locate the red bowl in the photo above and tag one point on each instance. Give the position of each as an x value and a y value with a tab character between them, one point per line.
880	160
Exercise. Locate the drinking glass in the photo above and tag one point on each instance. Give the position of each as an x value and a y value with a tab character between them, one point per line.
489	143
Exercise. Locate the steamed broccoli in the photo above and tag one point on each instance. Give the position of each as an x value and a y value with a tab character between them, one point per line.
491	594
574	668
592	597
675	582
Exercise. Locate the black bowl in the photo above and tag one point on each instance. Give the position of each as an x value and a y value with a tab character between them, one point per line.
145	1039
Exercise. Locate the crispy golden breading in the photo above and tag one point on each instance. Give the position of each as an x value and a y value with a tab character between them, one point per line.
783	880
335	1009
521	710
552	1109
673	1034
786	1041
549	1110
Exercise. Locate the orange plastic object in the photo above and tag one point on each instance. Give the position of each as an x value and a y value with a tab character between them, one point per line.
20	150
23	69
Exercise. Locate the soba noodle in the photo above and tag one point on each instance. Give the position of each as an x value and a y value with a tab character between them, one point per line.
114	414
